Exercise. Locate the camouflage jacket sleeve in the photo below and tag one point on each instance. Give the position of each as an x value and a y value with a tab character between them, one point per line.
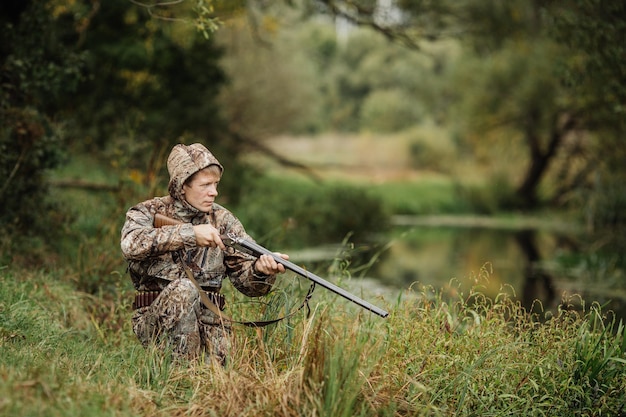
141	240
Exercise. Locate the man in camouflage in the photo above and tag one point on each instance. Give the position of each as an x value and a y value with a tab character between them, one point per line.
169	311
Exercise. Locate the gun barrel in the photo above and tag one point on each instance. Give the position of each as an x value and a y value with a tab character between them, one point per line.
254	247
332	287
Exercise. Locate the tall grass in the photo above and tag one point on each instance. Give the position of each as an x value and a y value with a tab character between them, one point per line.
68	353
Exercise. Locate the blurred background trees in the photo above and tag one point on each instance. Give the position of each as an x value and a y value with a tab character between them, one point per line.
548	75
531	94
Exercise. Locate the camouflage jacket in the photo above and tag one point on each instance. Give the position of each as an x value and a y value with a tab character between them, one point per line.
154	255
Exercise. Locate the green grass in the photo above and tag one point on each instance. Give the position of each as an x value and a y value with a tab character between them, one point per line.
66	353
427	196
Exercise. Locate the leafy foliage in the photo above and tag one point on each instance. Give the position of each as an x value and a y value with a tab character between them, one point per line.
28	149
263	99
309	213
594	32
37	69
150	81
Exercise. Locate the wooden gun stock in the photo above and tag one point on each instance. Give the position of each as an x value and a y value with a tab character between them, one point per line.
258	250
161	220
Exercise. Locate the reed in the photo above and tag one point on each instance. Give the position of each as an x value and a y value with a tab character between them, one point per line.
439	353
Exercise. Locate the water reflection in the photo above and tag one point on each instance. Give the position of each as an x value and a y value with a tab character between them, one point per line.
538	283
520	262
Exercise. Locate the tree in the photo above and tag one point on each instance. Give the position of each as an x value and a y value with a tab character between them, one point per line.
561	122
271	87
594	31
512	96
36	68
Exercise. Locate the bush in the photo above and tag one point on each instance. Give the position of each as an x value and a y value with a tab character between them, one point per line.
432	149
390	111
28	149
292	213
37	71
496	195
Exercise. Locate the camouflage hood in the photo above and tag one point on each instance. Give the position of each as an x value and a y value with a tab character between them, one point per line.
183	162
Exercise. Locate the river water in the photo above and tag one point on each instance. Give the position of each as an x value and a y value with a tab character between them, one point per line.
542	267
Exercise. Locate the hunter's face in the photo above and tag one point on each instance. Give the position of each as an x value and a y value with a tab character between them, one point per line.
202	190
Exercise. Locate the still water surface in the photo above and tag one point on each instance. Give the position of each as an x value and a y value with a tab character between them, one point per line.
528	262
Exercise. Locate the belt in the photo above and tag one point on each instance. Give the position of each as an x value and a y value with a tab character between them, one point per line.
146	298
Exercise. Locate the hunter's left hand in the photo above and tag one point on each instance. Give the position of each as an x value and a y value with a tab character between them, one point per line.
268	265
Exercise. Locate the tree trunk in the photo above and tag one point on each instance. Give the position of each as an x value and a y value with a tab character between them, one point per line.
540	159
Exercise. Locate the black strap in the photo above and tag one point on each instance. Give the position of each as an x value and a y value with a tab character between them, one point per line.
215	310
305	302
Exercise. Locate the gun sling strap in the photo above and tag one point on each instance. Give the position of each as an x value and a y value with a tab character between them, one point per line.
215	309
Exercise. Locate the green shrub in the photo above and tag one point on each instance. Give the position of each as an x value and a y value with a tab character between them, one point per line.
28	150
424	197
390	110
37	71
489	198
291	213
432	150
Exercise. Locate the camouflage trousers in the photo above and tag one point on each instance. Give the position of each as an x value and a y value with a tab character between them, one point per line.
178	320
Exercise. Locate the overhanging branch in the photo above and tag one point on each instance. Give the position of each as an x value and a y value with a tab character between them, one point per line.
258	146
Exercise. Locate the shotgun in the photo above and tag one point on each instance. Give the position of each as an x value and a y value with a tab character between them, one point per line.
252	248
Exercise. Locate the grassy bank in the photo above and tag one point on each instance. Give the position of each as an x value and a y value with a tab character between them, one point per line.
66	353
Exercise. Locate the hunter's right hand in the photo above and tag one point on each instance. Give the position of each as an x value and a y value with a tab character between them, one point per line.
207	235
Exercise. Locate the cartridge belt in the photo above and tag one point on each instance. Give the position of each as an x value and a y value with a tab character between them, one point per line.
146	298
